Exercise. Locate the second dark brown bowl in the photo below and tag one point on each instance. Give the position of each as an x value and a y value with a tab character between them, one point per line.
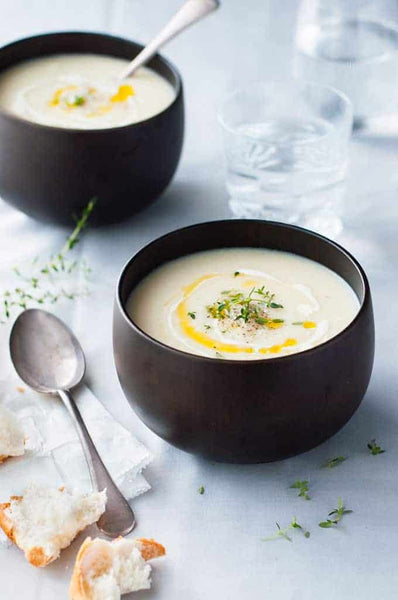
50	173
244	411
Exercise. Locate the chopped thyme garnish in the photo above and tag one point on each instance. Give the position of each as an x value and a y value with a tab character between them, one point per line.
207	326
283	533
219	355
79	100
261	320
192	315
201	490
298	323
337	513
236	273
303	487
333	462
236	306
374	448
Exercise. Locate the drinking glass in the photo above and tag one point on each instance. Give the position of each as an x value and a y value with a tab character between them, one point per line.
286	149
353	46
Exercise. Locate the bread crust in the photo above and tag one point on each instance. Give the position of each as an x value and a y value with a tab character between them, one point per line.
151	549
79	587
35	555
6	522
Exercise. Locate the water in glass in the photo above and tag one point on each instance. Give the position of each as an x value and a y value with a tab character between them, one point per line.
353	47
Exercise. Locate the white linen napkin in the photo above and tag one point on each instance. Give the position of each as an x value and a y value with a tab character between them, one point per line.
53	454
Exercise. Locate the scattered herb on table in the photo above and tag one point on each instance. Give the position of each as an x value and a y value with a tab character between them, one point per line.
283	533
337	515
32	290
374	448
201	490
333	462
192	315
302	486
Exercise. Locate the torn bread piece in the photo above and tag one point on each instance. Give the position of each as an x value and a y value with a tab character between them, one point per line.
45	520
106	570
12	437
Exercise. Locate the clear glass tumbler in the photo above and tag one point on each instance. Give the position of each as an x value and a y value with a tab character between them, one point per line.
286	148
353	46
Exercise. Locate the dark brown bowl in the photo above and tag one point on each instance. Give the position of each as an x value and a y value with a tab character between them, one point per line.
244	411
50	173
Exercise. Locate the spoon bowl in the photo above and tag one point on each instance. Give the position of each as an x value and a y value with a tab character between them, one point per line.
45	353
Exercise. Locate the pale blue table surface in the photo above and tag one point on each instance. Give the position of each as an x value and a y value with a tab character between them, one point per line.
214	540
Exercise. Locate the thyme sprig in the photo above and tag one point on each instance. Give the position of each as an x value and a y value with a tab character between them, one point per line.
302	486
235	305
374	448
283	533
33	291
337	514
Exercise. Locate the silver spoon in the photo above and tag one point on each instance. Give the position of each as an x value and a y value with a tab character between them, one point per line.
49	359
190	12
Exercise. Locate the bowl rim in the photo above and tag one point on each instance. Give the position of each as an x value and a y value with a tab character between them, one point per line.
288	357
74	130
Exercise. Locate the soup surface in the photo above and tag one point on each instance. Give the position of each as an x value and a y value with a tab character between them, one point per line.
82	91
242	303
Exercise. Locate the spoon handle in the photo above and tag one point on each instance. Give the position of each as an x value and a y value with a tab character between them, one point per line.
189	13
118	518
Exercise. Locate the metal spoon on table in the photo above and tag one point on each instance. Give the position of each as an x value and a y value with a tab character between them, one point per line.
190	12
49	359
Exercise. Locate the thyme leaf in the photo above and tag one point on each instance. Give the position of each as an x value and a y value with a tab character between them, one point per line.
374	448
302	486
337	514
284	533
333	462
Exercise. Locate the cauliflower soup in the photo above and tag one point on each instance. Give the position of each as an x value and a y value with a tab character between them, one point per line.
82	91
242	303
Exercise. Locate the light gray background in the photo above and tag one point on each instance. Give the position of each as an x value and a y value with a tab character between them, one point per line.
214	541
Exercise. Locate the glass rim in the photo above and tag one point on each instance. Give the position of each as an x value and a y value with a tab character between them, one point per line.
291	82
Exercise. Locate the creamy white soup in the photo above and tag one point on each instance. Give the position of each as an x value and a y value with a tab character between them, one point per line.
242	303
82	91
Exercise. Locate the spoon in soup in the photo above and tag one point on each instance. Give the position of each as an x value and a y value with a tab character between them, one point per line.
49	359
190	12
